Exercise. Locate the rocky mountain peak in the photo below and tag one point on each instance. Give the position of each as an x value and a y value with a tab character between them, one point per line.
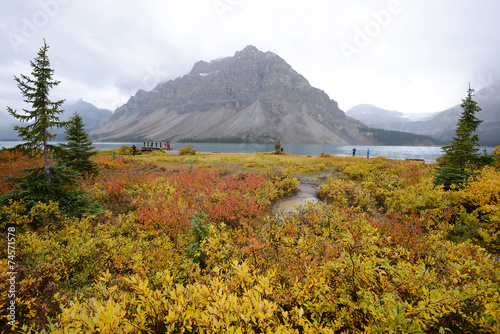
253	95
249	51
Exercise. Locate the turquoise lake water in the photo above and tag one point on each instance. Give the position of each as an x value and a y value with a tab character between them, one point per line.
426	153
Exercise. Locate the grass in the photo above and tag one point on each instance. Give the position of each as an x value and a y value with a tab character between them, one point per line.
293	164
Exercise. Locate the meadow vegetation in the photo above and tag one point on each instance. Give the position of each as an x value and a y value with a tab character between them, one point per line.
188	244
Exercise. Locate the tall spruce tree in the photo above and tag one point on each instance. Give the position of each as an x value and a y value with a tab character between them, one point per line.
51	182
461	158
44	112
76	153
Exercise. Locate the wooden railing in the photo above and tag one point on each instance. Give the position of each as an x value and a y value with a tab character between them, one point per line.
149	146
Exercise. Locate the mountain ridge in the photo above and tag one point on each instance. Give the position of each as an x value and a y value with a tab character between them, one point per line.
254	95
92	117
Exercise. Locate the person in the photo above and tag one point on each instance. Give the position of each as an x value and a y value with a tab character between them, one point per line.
281	148
133	150
168	145
368	153
353	151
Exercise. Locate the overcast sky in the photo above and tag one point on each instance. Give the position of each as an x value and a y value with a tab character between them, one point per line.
405	55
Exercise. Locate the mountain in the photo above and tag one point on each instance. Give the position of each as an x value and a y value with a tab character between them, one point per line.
252	96
7	127
92	117
440	125
376	117
379	118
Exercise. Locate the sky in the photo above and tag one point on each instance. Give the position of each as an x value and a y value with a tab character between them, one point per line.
413	56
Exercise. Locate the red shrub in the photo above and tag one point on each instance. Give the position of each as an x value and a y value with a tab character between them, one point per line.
225	197
12	164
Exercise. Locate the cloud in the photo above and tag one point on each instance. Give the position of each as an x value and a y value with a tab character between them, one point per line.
411	56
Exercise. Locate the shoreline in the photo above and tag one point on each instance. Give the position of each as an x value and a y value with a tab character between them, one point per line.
176	153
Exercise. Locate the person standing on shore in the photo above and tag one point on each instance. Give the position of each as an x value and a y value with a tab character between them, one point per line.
354	151
368	153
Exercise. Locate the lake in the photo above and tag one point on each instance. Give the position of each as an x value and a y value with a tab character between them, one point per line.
427	153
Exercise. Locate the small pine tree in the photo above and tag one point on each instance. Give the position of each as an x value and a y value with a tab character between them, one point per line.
277	146
76	153
461	158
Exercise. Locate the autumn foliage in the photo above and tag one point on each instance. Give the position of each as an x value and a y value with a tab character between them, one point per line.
12	164
225	196
178	249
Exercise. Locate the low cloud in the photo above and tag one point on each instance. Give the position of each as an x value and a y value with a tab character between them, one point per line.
409	56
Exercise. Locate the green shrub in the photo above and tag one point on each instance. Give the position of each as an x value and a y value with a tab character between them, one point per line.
187	150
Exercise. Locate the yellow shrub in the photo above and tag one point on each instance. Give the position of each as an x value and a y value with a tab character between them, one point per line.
344	193
14	214
204	165
187	150
422	199
496	154
124	150
255	165
481	198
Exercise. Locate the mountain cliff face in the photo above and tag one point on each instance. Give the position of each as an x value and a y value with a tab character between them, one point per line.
253	95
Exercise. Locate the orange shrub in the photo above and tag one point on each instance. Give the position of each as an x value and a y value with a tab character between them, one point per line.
12	164
110	163
225	196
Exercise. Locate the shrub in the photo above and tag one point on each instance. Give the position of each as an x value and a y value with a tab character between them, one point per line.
481	201
344	193
187	150
124	150
204	165
496	154
325	268
113	163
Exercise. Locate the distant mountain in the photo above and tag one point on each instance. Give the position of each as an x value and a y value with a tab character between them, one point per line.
440	125
92	117
252	96
376	117
7	124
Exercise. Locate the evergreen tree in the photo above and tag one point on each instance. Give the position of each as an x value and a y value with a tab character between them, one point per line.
49	182
76	153
44	113
461	158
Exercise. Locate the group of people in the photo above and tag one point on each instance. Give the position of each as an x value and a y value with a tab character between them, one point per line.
367	152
